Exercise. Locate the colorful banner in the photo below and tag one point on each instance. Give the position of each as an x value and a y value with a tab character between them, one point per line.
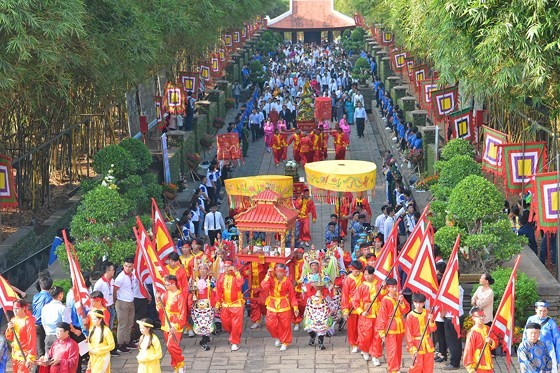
249	186
236	37
215	64
222	54
8	195
409	62
521	162
444	101
544	204
189	81
419	73
173	99
228	147
492	152
323	108
205	72
400	60
228	40
460	125
428	86
386	38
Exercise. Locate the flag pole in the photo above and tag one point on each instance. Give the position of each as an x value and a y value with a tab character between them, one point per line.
371	304
422	337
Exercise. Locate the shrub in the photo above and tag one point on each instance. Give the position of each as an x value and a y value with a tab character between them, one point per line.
139	152
474	200
117	158
361	70
457	147
65	284
445	238
438	213
456	169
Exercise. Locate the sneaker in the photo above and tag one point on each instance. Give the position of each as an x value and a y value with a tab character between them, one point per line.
450	367
205	347
132	345
375	361
115	353
366	356
284	347
312	341
256	325
234	347
322	347
277	343
296	327
191	334
307	243
355	350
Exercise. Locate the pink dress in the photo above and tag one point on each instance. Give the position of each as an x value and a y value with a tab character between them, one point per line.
282	125
268	132
345	128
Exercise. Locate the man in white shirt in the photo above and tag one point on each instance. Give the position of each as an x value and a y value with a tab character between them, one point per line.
105	285
213	223
360	117
53	313
389	221
358	97
380	220
124	298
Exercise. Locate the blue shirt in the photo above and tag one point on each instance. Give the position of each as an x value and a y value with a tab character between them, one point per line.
39	300
534	357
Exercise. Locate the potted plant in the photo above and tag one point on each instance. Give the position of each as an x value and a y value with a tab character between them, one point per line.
230	102
218	123
170	190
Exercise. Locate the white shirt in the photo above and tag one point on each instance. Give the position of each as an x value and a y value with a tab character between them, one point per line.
360	112
53	313
124	285
358	97
107	290
214	221
388	227
380	222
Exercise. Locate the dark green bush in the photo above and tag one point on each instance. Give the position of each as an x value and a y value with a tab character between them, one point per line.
140	152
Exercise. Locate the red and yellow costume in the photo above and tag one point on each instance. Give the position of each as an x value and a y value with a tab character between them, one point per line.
317	146
285	148
279	305
368	340
340	144
394	338
188	263
349	287
278	145
175	305
363	201
257	307
24	327
305	206
414	328
230	299
295	138
297	269
306	149
473	349
325	144
181	274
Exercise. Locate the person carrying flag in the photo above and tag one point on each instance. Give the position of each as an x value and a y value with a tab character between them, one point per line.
22	327
418	339
479	342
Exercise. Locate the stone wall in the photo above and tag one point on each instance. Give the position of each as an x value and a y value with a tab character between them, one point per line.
140	100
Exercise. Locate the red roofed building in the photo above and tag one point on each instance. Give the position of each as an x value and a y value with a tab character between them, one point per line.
266	215
311	17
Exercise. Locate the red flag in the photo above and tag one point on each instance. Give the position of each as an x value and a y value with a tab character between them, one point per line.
422	277
79	289
409	251
503	323
386	260
448	293
163	240
7	295
152	265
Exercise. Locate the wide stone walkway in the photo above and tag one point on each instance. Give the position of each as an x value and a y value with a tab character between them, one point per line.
257	353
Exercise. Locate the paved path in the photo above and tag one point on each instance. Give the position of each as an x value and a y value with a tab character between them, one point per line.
257	353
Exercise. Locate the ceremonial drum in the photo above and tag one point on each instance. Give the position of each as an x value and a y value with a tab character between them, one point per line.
203	317
317	316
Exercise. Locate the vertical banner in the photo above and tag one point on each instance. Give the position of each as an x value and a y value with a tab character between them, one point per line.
205	72
545	202
215	63
428	86
460	125
222	54
165	155
492	152
236	38
173	99
444	101
228	147
522	161
189	81
228	41
8	195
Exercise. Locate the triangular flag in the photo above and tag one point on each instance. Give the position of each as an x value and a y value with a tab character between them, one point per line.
448	293
386	260
422	277
163	240
79	289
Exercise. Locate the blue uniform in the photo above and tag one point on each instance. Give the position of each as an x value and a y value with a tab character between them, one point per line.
534	357
549	336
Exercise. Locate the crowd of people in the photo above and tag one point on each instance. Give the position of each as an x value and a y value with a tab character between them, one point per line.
323	290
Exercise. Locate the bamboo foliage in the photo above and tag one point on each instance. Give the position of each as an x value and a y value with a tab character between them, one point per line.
63	58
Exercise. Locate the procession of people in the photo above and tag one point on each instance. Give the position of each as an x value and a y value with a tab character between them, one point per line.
326	288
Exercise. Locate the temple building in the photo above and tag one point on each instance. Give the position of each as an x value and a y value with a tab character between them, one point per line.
307	19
